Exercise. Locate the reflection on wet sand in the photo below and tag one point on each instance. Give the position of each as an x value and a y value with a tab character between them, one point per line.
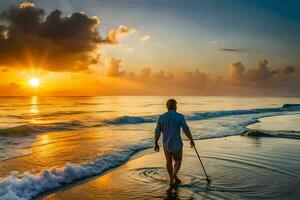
172	193
237	173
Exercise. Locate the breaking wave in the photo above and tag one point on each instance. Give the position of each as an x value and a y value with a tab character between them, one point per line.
28	129
281	134
27	185
203	115
132	120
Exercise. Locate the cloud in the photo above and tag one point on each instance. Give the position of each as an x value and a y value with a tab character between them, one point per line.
260	73
195	79
54	42
114	67
26	4
145	38
289	70
236	72
232	50
146	72
115	34
163	75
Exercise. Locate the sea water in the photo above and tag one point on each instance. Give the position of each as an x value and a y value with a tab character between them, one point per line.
48	142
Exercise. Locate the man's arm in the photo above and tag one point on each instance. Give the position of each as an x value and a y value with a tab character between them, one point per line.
157	135
187	132
189	135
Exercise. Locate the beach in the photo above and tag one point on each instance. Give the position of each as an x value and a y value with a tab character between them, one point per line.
240	168
102	148
91	90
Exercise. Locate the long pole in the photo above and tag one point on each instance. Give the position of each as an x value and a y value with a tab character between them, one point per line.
202	164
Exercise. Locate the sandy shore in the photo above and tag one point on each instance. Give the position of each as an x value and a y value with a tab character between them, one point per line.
240	167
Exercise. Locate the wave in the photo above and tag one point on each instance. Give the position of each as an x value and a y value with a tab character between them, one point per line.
203	115
21	130
291	106
28	185
281	134
60	113
208	115
28	129
132	119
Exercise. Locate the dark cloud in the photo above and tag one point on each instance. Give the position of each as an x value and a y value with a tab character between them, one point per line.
232	49
54	42
289	70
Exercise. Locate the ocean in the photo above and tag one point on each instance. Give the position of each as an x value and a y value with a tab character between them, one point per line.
49	142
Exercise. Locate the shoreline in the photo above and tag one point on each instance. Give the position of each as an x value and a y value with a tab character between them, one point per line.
147	172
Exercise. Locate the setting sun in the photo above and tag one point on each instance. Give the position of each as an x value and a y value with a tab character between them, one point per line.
34	82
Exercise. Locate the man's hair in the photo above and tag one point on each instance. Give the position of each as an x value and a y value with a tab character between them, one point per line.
171	104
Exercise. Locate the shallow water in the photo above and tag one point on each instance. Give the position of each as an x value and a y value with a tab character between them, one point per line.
236	173
287	123
39	136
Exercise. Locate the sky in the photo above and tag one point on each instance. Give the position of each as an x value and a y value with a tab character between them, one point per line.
150	47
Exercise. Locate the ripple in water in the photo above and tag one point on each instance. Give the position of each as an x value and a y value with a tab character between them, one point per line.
234	175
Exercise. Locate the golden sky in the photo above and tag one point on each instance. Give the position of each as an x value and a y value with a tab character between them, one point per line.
44	51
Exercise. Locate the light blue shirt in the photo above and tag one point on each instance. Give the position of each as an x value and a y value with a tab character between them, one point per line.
170	124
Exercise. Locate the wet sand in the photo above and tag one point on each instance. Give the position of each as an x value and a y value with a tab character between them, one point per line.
240	167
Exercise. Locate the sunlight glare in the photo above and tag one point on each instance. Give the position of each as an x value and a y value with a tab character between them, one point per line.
34	82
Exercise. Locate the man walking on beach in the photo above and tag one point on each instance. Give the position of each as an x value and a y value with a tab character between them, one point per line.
170	124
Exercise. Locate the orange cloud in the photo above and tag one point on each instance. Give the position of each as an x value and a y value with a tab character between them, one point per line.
236	72
114	67
115	34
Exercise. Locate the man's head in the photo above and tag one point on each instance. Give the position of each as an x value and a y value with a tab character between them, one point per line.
171	104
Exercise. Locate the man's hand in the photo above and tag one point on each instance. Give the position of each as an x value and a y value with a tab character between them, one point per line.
192	143
156	148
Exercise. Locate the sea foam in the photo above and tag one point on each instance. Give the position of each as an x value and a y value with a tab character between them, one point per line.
23	186
202	115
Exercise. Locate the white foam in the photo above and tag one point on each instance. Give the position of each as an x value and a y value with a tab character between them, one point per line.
202	115
23	186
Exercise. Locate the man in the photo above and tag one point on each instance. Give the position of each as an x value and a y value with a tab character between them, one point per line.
170	124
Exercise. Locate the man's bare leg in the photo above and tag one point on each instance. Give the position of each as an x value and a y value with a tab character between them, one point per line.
170	170
169	165
177	166
178	158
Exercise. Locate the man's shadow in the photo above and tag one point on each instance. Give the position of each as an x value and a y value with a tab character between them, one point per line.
172	193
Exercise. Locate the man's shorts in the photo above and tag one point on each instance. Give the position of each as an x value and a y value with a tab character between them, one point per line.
176	155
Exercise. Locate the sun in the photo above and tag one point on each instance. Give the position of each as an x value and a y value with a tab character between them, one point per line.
34	82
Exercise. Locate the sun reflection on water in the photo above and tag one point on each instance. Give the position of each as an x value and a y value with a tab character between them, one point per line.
34	105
